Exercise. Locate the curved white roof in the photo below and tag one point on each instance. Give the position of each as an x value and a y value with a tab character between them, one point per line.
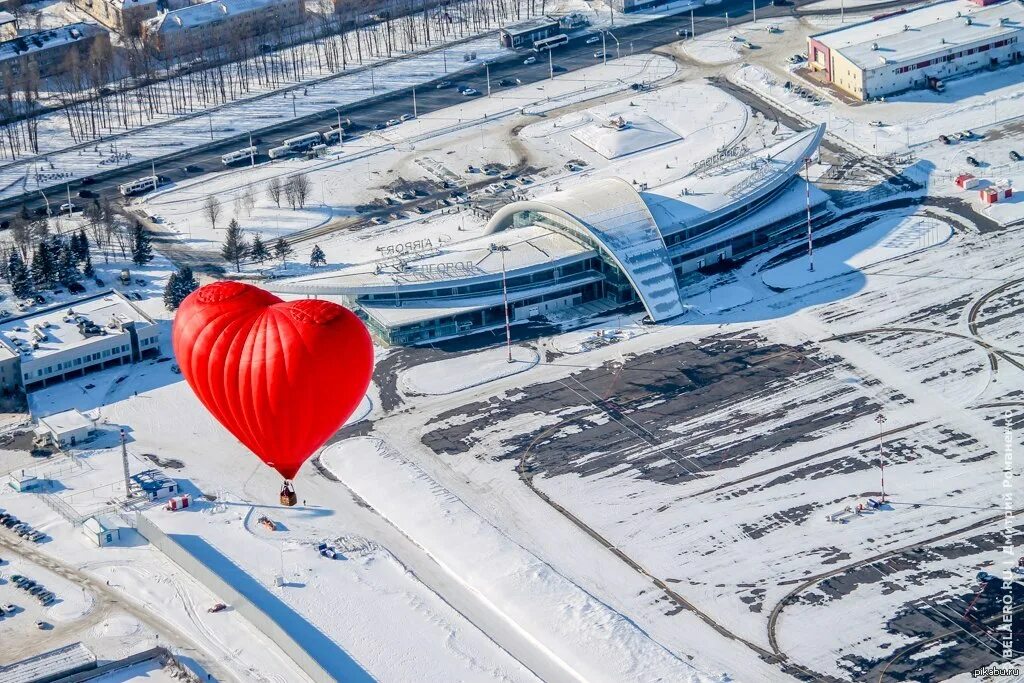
610	213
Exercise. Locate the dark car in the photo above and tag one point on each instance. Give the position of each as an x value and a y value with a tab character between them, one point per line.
944	139
1014	155
39	299
973	162
5	224
89	180
505	82
99	282
41	211
87	194
76	288
193	168
380	126
557	69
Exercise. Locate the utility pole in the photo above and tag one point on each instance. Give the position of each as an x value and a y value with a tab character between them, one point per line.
124	465
415	114
754	5
604	48
693	28
70	207
551	64
487	70
504	297
810	239
880	419
373	85
252	152
842	11
727	20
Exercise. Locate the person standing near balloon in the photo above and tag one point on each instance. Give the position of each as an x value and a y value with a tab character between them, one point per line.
281	377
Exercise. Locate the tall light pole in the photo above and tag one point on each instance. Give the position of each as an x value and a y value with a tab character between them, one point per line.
487	70
753	4
604	49
502	248
693	28
810	239
551	64
415	113
880	419
252	152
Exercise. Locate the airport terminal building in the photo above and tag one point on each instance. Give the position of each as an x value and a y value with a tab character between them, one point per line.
599	244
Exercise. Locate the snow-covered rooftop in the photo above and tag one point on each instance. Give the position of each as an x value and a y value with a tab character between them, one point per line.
906	36
45	40
456	264
62	327
204	13
632	135
67	421
66	659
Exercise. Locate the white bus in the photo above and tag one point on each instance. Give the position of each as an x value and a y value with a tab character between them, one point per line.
333	136
238	155
550	43
278	152
138	186
303	142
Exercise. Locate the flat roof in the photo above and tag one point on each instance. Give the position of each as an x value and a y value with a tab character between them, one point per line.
205	13
44	40
532	246
913	34
73	657
57	328
151	479
529	26
67	421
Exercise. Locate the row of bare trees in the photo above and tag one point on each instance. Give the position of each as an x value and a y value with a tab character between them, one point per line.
109	90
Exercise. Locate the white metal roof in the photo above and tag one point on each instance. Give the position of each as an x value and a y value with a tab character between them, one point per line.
67	421
67	658
911	35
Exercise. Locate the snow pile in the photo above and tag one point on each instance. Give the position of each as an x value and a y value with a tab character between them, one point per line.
462	372
584	636
636	134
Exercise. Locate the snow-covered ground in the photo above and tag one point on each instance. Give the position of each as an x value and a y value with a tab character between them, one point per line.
448	376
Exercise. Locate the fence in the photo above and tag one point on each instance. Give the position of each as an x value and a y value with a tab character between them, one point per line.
282	626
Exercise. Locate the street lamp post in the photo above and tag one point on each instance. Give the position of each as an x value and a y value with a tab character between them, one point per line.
693	28
810	238
504	297
880	419
487	70
753	4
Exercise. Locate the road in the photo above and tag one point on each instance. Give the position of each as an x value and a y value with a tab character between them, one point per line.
577	54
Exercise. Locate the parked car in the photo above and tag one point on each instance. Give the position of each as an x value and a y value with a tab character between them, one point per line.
139	281
944	139
380	126
530	60
87	194
877	124
973	162
557	68
967	135
136	296
505	82
469	92
1015	155
219	607
406	117
68	207
99	282
88	180
193	168
43	626
76	288
393	122
443	84
600	54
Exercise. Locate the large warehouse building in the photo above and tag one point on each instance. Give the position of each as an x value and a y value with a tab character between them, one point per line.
918	48
603	241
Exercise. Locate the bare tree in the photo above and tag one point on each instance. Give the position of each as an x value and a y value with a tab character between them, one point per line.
274	191
212	210
297	190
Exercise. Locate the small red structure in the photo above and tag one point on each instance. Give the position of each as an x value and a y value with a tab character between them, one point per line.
966	181
179	502
985	3
991	195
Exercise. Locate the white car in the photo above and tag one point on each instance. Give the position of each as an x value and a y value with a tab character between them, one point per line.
530	60
69	208
593	39
600	55
469	92
393	122
407	117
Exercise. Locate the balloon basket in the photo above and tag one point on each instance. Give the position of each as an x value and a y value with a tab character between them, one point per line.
288	497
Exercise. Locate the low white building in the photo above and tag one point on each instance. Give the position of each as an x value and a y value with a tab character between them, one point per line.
102	530
72	339
154	484
65	429
23	482
919	47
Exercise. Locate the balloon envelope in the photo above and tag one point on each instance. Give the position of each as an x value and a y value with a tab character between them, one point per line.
282	377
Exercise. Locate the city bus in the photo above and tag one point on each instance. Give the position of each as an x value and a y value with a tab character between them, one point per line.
303	142
238	155
138	186
550	43
278	152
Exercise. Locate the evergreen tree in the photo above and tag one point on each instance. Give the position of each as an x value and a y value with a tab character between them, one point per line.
75	248
24	214
44	269
258	251
87	268
235	246
67	269
5	263
20	279
142	247
82	252
282	249
317	257
179	285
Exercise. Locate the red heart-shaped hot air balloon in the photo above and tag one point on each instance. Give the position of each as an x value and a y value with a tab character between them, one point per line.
282	377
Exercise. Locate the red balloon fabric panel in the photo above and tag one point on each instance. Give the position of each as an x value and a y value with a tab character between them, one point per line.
282	377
